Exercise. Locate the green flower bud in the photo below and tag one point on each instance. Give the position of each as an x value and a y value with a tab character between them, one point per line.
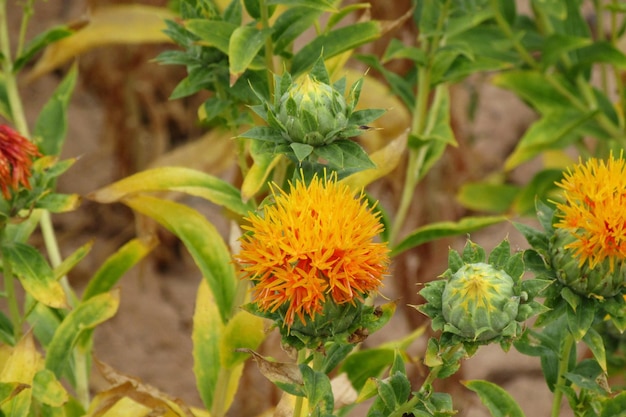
599	281
312	112
479	302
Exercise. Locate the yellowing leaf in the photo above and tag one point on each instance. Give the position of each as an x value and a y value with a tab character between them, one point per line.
118	24
207	331
21	367
243	330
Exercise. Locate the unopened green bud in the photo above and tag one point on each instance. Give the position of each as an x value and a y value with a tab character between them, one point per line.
600	281
312	112
479	302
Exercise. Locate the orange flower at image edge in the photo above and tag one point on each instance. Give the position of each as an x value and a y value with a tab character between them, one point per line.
16	159
595	210
315	244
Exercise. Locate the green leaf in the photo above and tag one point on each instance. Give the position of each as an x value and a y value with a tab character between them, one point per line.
51	125
555	130
48	390
533	87
117	265
203	241
579	322
5	106
214	33
487	197
558	44
362	365
243	330
318	391
614	407
586	375
245	43
323	5
301	150
445	229
85	316
595	343
497	400
38	43
291	24
260	170
6	330
334	43
35	274
180	179
206	335
540	187
71	261
345	155
59	203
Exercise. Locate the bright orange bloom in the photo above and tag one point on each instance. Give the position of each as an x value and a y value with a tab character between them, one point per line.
595	210
314	244
16	159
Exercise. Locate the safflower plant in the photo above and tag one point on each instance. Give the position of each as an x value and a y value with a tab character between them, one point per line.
311	250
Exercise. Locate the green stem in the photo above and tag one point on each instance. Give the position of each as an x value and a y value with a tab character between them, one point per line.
566	350
52	247
297	408
416	156
81	374
269	47
219	397
17	110
408	407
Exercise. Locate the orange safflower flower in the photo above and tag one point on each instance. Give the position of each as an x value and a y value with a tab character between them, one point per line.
313	245
16	159
594	210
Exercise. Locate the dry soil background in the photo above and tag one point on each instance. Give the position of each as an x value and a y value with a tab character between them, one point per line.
114	116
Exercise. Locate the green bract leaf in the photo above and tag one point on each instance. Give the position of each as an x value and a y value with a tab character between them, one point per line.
35	274
445	229
323	5
181	179
85	316
497	400
203	241
48	390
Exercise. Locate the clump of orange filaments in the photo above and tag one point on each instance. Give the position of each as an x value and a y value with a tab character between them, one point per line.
314	245
16	159
594	210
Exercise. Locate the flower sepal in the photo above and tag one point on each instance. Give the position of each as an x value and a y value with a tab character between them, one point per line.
311	119
345	323
481	300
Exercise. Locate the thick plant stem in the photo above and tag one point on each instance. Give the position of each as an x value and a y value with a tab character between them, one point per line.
566	350
17	110
298	406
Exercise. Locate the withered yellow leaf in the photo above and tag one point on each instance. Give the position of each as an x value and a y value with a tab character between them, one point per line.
107	25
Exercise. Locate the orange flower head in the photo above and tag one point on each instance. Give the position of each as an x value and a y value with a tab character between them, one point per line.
16	159
594	211
313	246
